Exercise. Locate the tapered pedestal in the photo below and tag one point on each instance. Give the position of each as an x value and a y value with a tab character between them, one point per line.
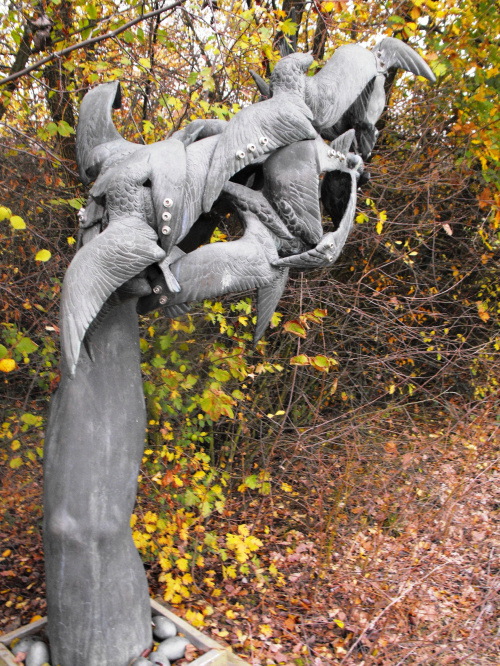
97	594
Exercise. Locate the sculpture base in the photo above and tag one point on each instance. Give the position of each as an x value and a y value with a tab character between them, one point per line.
215	654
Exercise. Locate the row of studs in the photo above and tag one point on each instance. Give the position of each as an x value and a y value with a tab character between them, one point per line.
337	154
240	154
166	216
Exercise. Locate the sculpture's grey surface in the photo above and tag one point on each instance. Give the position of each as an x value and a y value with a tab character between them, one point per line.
142	246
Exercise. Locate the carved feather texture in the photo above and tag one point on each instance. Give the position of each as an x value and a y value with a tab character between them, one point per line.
116	255
246	199
291	184
329	248
268	298
338	85
264	126
97	139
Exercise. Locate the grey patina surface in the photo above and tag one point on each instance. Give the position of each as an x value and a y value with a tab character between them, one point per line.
142	247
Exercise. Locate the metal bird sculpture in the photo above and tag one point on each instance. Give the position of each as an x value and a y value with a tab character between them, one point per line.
348	92
145	206
143	202
261	128
282	230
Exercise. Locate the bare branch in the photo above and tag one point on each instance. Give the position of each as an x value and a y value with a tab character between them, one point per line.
89	42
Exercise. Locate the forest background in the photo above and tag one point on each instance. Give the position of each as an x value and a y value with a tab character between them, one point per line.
331	497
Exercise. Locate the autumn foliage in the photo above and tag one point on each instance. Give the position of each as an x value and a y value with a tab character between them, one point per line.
330	497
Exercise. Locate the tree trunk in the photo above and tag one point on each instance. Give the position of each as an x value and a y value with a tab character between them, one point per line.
22	55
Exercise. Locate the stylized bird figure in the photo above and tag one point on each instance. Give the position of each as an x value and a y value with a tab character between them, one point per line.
282	230
144	200
263	127
348	92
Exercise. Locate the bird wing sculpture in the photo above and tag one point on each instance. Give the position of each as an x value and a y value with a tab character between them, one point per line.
221	268
102	265
263	127
139	193
97	139
292	182
337	86
348	92
330	246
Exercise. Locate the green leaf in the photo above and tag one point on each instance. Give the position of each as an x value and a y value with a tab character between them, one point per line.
15	463
252	482
51	129
26	346
220	375
64	128
192	78
76	203
288	27
295	327
190	499
301	359
31	419
91	12
320	363
3	351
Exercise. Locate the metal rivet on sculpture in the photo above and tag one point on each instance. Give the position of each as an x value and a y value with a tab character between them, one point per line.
151	209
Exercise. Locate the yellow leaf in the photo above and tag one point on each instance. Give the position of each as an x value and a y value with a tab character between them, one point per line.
71	240
6	553
286	487
339	623
17	222
182	564
5	213
379	227
7	364
392	388
43	255
266	630
482	310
